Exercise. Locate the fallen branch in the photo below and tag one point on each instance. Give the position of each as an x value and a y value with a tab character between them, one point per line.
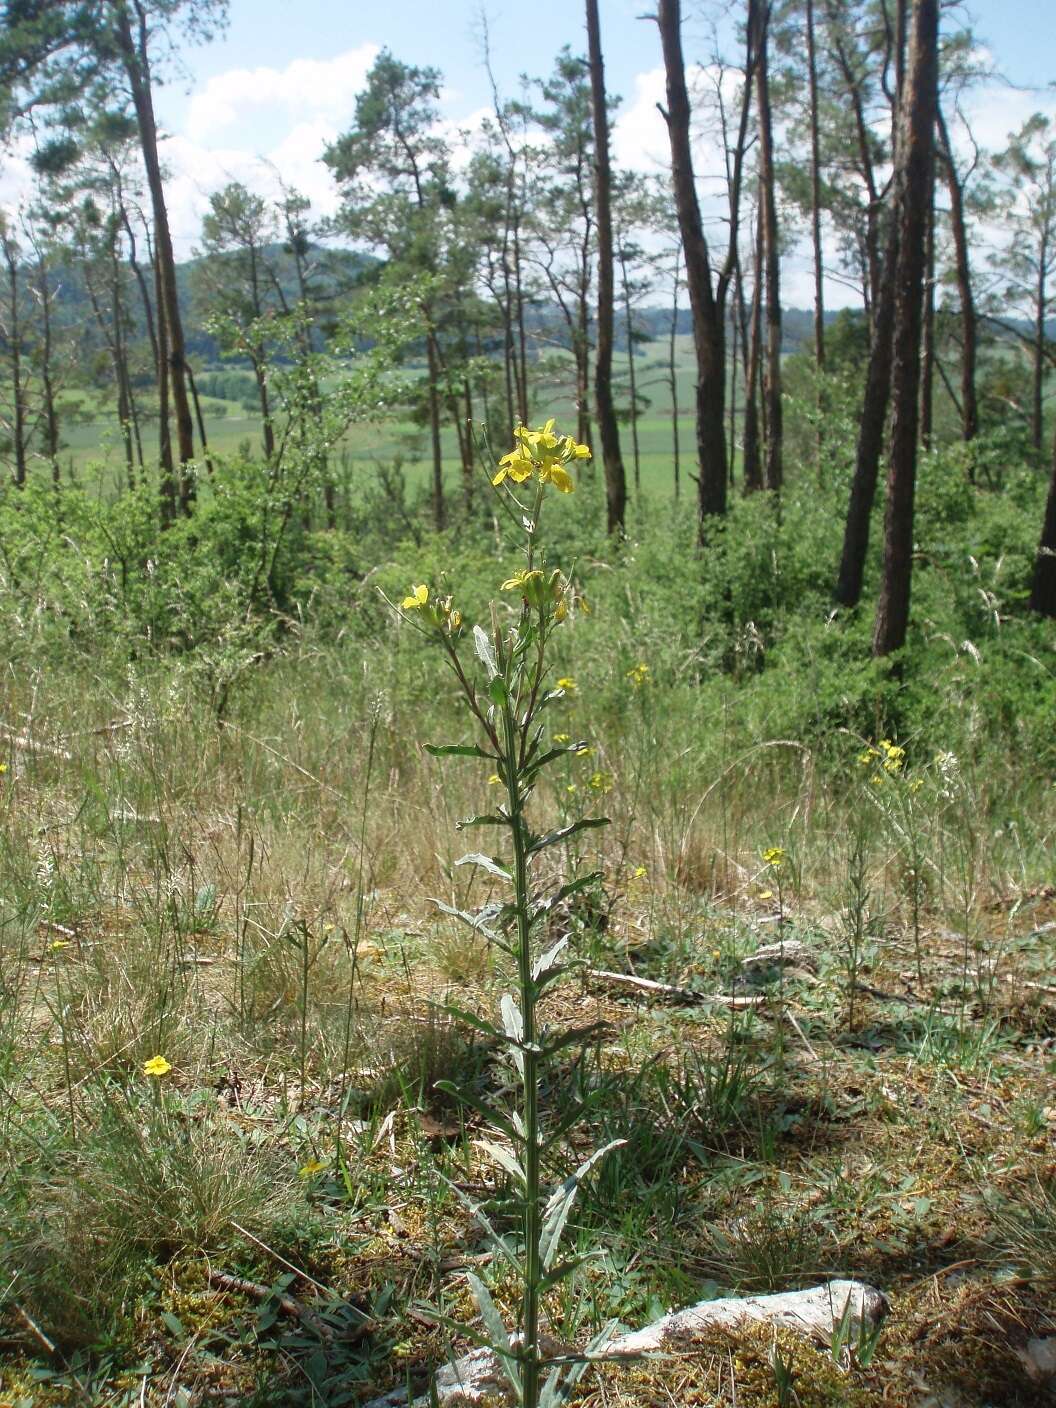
287	1304
668	992
847	1308
786	953
25	744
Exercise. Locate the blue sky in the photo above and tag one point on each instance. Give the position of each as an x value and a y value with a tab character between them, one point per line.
526	33
260	103
264	99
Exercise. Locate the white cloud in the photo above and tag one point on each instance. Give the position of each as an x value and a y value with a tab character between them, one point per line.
303	88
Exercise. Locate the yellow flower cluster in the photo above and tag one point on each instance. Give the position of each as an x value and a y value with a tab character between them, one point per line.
436	612
886	759
540	590
541	453
775	856
639	675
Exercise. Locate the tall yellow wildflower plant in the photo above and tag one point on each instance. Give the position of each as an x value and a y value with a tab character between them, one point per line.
504	676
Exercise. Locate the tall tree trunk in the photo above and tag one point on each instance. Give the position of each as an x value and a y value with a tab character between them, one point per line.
708	330
753	469
135	58
167	484
815	192
673	378
632	375
1037	412
433	363
51	418
927	361
815	236
582	334
1043	587
14	346
916	153
965	293
772	254
605	410
848	590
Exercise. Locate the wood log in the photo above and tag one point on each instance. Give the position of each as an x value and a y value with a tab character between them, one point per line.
478	1379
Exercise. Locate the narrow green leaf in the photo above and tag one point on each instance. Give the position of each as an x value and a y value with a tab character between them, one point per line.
497	691
473	920
576	1036
552	838
459	750
490	1315
513	1024
494	1117
485	863
496	1239
555	1215
503	1158
471	1019
485	654
495	819
566	891
548	960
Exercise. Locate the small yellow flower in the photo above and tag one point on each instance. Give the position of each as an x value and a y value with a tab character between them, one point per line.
156	1066
521	579
59	944
562	738
916	784
716	953
584	752
775	856
640	873
3	769
418	598
877	778
639	675
601	782
311	1168
494	780
571	787
766	894
567	684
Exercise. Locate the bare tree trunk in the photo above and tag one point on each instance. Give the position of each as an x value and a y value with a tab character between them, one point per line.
916	153
433	363
870	433
14	347
615	475
753	470
167	484
772	255
927	363
51	419
1037	413
676	447
969	319
1043	587
632	376
815	192
708	330
137	68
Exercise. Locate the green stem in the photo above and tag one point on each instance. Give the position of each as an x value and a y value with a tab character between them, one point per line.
530	1075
